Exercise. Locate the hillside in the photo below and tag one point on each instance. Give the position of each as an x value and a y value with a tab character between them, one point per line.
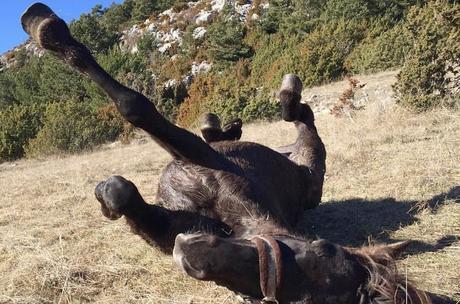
227	57
392	175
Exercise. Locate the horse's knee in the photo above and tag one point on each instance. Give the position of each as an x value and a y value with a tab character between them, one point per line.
134	107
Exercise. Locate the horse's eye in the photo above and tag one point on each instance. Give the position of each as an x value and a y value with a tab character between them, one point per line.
323	248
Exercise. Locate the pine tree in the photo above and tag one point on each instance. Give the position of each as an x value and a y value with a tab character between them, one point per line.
226	38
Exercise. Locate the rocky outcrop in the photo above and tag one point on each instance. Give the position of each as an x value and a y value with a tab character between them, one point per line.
10	58
167	29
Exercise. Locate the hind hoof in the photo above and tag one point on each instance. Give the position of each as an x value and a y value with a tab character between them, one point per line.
117	196
232	130
210	128
290	96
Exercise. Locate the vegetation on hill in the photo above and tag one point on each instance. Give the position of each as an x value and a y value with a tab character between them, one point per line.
321	41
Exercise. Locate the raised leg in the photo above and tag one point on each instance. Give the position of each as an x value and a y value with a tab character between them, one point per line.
51	33
308	151
158	226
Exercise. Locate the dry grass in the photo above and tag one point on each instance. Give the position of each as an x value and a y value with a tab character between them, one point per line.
391	175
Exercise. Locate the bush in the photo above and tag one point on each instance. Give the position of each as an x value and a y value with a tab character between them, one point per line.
324	51
276	55
428	77
262	105
90	30
229	96
18	124
71	127
193	106
386	51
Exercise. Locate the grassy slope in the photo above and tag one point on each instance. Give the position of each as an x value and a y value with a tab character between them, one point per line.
391	175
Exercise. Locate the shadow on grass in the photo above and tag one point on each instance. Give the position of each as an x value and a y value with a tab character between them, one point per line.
353	222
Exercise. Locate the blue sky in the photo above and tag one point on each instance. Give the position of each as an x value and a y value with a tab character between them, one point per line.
11	33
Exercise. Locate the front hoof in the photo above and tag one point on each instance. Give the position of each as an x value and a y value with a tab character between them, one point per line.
117	196
46	28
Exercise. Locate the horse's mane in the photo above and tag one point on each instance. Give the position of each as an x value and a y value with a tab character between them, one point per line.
385	285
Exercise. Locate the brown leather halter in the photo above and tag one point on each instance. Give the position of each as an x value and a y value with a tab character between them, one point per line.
270	267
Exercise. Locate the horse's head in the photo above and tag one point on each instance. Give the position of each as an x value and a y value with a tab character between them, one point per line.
231	263
309	271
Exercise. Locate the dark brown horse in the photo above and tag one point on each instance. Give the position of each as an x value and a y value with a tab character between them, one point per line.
230	190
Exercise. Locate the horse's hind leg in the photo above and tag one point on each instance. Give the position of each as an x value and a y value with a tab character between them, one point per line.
51	33
155	224
308	151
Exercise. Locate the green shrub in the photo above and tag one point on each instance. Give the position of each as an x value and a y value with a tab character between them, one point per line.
229	96
262	105
91	31
427	78
386	51
71	127
7	89
324	51
225	39
276	55
18	124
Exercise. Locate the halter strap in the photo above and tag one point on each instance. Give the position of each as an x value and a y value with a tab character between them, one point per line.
270	267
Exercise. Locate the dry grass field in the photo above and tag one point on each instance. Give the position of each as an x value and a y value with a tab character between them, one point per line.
391	175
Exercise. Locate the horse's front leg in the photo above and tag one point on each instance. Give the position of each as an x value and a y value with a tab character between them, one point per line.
158	226
51	33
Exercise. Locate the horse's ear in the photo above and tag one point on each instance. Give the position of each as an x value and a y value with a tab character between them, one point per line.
395	250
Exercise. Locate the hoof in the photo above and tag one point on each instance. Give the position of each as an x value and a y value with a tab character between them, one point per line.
232	130
46	28
210	121
117	196
290	95
210	128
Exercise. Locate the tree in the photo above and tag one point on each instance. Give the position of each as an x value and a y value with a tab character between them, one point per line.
90	31
7	88
226	38
291	16
142	9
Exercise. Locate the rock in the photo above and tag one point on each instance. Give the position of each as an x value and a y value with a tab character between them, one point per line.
187	80
170	83
204	17
202	67
199	32
218	5
165	47
134	49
